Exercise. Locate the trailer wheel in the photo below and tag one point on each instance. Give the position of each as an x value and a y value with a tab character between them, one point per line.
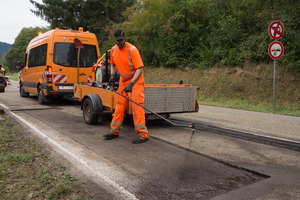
88	115
22	92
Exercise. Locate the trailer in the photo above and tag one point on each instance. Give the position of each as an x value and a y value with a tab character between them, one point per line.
101	96
163	99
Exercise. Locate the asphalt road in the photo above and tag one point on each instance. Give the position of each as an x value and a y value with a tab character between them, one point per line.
173	164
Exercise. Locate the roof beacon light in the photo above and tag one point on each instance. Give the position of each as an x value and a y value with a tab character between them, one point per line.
81	29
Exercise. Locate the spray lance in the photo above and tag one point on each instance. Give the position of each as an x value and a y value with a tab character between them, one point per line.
189	125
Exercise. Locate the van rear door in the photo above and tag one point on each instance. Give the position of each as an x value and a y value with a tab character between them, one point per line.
65	68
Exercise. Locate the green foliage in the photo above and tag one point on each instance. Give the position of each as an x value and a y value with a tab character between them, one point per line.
18	49
175	33
166	31
14	76
95	16
205	33
2	61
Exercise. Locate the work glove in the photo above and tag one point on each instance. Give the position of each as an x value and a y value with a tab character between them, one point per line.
112	79
128	87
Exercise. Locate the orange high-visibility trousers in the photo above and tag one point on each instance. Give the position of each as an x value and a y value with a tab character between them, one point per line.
138	112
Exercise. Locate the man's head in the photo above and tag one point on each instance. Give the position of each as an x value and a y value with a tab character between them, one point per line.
119	36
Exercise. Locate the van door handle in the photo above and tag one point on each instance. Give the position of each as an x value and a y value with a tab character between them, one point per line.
83	74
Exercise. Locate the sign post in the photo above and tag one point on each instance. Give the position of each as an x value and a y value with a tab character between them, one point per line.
276	31
274	85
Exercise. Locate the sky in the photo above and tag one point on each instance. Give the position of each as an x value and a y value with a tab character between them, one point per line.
15	15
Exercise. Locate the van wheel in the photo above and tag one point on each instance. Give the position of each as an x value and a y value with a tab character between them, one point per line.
41	97
88	115
22	92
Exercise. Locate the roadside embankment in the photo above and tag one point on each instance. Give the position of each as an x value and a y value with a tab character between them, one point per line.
248	88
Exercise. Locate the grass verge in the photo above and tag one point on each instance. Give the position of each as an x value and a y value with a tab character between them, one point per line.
27	170
14	76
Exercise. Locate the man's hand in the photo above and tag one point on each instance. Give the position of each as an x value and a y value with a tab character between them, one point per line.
128	87
112	79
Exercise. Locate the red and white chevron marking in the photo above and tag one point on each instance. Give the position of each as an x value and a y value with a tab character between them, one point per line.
59	78
89	79
44	76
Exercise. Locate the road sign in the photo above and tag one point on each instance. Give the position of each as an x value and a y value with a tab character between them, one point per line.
276	30
275	50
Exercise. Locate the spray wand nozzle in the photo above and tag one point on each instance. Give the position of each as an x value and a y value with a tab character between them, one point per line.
193	127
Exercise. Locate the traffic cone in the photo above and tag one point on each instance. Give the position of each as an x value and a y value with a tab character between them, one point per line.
8	81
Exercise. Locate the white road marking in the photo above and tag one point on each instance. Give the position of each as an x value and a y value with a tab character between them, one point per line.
118	189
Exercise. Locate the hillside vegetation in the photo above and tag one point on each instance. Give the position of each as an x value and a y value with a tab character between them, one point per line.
4	47
249	88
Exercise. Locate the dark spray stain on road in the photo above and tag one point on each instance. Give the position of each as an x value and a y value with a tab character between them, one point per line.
194	179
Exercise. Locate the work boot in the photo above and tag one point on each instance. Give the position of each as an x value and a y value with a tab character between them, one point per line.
110	136
139	139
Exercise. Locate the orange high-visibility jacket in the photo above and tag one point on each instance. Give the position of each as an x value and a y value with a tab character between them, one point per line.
127	59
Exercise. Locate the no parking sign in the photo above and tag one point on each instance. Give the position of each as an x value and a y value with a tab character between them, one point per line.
276	30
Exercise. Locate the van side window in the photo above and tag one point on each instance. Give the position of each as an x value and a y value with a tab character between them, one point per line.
65	54
38	56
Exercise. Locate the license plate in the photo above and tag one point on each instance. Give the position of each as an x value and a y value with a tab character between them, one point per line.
65	87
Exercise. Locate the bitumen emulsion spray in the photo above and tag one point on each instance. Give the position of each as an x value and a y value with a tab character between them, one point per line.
185	171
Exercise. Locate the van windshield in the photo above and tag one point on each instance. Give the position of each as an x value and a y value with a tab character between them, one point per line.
65	54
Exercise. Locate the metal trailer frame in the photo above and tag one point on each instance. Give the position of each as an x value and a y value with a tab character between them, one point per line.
163	99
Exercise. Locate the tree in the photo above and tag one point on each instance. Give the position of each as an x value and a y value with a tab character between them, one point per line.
167	31
94	16
18	49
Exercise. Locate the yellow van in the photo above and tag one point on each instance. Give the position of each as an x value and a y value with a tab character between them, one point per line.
51	68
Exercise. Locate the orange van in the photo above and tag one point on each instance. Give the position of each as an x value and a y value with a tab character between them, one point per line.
51	68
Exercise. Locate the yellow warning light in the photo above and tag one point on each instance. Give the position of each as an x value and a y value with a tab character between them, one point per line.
40	33
81	29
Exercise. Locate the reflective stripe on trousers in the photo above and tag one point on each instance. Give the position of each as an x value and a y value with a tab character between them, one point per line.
137	111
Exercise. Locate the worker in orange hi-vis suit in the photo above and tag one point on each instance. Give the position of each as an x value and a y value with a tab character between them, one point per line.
127	59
